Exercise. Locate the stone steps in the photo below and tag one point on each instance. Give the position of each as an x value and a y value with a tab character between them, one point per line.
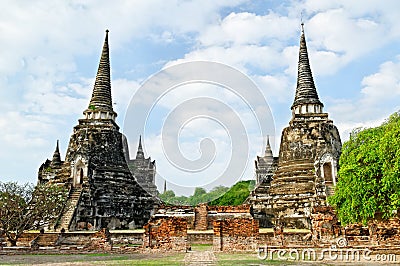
70	208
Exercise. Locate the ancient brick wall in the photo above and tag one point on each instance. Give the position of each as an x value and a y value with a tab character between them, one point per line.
245	208
101	240
385	232
203	216
205	237
235	234
186	212
325	225
166	234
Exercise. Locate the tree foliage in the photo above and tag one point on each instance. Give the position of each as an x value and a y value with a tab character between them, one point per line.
369	175
218	196
24	207
200	195
236	195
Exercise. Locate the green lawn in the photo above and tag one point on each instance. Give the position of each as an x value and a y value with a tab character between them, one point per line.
96	259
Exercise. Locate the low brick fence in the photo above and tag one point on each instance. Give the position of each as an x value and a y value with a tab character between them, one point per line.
235	234
229	234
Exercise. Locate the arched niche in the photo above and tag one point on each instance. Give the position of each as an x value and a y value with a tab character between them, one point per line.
79	172
328	168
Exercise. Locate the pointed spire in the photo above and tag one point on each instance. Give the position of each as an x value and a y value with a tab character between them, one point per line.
165	186
101	96
306	93
140	153
268	150
56	161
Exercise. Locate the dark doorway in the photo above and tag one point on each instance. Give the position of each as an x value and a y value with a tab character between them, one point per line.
328	172
81	176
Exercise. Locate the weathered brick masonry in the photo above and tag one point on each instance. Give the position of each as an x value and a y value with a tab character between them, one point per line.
166	234
235	234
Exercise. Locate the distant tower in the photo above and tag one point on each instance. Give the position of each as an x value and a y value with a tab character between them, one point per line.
308	157
165	186
50	169
266	165
103	192
56	161
144	170
265	168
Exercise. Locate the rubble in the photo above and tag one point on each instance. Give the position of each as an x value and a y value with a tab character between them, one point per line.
101	240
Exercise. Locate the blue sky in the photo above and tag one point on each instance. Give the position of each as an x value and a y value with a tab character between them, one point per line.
51	49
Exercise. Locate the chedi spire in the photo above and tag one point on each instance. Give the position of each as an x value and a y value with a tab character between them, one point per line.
56	161
140	153
306	93
100	106
268	150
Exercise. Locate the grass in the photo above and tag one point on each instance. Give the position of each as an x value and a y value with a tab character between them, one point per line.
149	260
246	258
97	259
250	258
201	247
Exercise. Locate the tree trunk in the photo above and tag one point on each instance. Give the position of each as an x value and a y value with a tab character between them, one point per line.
13	242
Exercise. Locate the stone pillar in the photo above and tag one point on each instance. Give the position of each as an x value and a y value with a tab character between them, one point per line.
200	217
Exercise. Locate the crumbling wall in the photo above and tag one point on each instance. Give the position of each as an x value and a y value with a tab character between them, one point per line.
202	217
226	212
235	234
325	225
101	240
385	232
186	212
166	234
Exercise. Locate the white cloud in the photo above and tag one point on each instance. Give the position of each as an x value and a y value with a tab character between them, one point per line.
378	98
382	86
248	28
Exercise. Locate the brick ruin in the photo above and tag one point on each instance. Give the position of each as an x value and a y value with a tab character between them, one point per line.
325	224
229	234
233	234
101	240
202	217
308	159
166	234
103	193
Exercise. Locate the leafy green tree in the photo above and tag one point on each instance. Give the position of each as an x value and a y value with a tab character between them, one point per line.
167	194
236	195
369	176
24	207
219	195
199	196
